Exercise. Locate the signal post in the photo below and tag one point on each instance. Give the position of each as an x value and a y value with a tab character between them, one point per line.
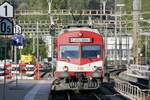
6	28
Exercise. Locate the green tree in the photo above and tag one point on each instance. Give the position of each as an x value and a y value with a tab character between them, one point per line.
29	47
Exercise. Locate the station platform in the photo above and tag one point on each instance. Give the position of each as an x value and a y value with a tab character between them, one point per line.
133	79
25	90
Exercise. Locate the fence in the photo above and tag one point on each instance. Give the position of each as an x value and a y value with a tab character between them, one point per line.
131	91
19	71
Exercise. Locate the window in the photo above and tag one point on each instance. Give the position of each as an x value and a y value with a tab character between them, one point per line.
69	51
91	51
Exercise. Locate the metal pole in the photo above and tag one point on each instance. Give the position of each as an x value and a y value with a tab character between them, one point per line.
100	8
136	15
115	56
33	46
20	47
52	37
52	53
4	87
128	49
15	60
115	33
104	11
49	5
104	7
37	55
120	40
146	40
127	45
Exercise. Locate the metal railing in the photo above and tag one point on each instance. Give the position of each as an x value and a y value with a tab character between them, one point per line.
75	12
131	91
29	27
62	12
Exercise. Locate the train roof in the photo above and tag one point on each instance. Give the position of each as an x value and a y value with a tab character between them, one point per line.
79	27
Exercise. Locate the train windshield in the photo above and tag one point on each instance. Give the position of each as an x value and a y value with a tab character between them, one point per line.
91	51
69	51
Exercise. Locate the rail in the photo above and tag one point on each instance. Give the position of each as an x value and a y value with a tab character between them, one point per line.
96	96
131	91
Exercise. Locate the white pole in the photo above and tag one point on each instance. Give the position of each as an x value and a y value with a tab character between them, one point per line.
49	5
115	53
136	15
128	47
104	7
37	29
52	38
120	40
33	46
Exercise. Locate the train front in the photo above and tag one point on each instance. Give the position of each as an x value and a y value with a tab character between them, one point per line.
80	58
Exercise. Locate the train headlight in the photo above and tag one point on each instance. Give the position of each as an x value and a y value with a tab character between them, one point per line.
80	34
65	68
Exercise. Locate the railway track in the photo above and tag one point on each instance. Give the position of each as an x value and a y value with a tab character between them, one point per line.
97	97
105	92
72	95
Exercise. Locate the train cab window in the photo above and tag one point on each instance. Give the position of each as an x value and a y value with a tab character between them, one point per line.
91	51
69	51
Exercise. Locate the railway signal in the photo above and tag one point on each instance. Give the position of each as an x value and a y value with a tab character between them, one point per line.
6	28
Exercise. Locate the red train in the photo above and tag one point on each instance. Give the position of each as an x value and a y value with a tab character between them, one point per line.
80	58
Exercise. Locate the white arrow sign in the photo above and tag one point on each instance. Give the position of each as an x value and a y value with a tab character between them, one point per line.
17	29
6	10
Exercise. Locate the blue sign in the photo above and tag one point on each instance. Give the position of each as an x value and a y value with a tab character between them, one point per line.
18	40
